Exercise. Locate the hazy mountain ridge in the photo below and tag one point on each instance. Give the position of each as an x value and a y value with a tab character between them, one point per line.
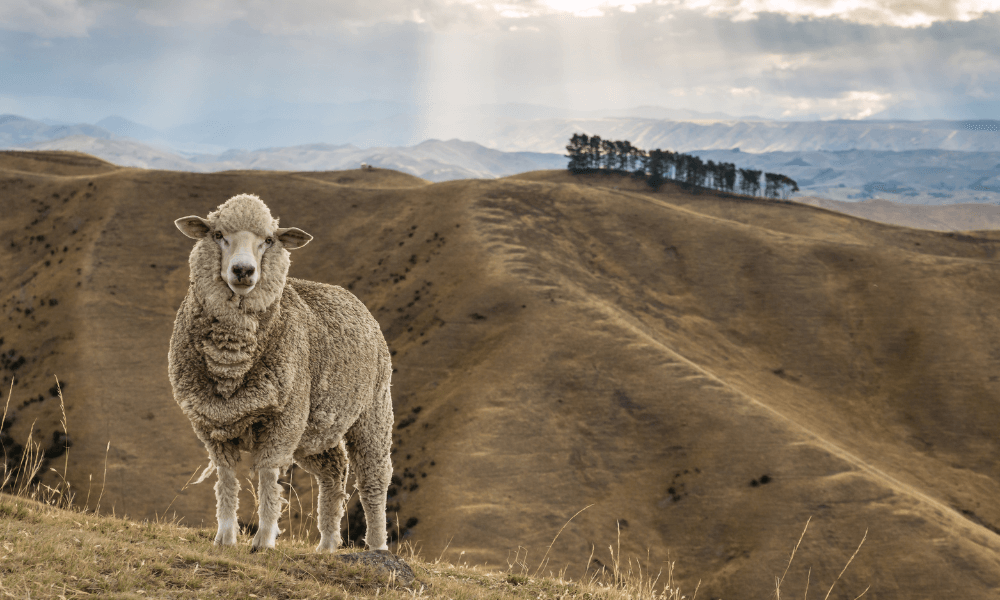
369	124
915	162
910	177
433	160
16	131
756	136
517	128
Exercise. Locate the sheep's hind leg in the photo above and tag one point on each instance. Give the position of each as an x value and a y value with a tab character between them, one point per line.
370	441
330	469
269	496
227	499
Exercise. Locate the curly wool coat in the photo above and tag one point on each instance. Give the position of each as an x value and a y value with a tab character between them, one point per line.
286	372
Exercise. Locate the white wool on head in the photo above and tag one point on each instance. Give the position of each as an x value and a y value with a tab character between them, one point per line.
245	212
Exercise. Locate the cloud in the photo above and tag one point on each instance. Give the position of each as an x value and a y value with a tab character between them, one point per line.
897	13
575	8
47	18
300	17
173	61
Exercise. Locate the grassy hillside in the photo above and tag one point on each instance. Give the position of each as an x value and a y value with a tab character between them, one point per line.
51	553
708	371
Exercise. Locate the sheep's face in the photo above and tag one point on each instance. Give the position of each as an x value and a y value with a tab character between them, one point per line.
241	255
242	251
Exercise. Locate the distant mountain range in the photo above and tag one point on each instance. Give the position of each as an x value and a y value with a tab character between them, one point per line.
546	135
914	162
520	128
910	177
433	160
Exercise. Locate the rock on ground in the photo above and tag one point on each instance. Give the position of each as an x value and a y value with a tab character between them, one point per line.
382	560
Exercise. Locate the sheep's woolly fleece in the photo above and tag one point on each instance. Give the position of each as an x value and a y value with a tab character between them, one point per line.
287	370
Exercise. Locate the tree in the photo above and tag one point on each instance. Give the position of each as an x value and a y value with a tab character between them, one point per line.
674	164
712	177
749	182
595	152
656	165
625	156
690	170
754	181
680	166
696	171
577	152
729	177
638	165
786	186
770	185
591	153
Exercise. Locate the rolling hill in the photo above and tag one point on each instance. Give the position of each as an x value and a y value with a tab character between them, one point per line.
707	371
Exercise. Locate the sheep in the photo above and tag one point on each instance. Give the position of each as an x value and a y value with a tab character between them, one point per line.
284	369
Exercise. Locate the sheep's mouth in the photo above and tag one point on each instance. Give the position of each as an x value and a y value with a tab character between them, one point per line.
241	288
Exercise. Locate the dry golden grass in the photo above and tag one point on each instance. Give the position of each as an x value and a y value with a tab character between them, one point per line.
48	552
23	477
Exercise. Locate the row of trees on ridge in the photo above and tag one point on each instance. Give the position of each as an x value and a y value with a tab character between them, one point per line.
590	153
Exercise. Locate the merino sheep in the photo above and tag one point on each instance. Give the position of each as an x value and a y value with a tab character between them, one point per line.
282	368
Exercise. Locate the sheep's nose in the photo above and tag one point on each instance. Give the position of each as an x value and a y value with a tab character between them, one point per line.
243	272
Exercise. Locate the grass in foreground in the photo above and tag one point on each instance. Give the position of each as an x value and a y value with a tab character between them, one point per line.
48	552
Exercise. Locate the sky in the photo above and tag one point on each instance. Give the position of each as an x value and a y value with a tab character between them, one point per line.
172	62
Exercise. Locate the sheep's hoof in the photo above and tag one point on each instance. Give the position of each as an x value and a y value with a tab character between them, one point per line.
264	539
225	538
327	546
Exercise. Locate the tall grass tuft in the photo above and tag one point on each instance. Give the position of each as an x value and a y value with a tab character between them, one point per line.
22	475
623	579
779	580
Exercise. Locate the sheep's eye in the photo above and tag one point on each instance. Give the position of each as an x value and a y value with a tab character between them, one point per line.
218	235
269	241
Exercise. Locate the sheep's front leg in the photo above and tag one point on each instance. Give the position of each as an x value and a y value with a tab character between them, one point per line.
227	500
269	496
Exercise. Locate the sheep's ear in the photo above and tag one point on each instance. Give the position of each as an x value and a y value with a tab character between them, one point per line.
193	227
292	237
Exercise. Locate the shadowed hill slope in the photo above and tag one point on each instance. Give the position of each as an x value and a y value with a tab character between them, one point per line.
708	371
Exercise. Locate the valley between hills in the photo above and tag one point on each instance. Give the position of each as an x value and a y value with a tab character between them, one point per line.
707	370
